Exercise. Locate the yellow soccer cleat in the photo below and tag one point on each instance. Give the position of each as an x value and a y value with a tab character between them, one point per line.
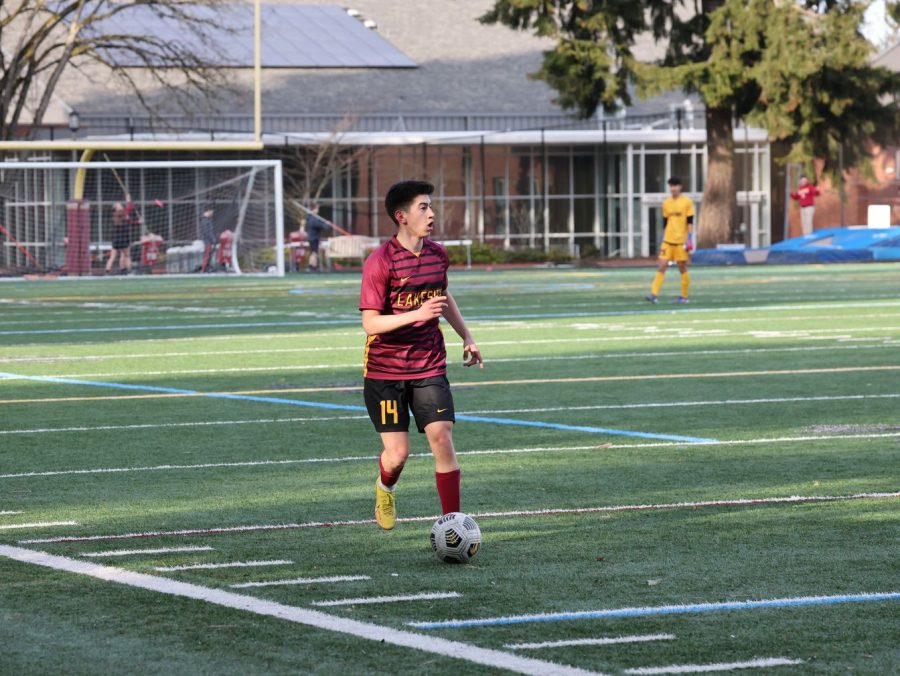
385	511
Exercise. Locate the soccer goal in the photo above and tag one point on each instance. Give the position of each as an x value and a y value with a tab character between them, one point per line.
175	217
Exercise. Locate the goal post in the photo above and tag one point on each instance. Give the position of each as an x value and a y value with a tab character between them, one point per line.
164	217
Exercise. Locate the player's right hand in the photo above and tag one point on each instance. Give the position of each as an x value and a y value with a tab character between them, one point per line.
432	308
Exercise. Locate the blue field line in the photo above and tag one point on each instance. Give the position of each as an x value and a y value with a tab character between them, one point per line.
649	611
345	407
586	428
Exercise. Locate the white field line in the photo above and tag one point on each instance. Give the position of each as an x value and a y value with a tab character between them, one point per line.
489	451
139	552
37	524
425	596
546	409
682	404
199	423
302	581
231	564
498	360
562	511
759	663
8	513
606	640
446	649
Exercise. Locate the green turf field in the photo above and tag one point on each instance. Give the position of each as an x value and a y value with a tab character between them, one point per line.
142	414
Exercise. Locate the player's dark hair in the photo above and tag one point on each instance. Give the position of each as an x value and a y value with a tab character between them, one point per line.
401	195
675	181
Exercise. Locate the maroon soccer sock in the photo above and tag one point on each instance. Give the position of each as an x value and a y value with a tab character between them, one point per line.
448	490
388	479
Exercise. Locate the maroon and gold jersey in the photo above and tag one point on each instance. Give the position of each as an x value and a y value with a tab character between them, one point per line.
395	280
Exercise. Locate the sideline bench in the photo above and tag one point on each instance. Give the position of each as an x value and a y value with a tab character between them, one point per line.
348	246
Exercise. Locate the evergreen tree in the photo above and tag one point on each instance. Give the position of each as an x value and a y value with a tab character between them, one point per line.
798	68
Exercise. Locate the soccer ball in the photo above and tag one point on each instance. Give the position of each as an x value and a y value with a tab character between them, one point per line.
455	538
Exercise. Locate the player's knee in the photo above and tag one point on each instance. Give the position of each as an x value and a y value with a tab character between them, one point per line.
397	454
440	436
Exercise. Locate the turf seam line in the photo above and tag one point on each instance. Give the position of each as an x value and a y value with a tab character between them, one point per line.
604	640
491	451
301	581
215	566
445	648
152	550
738	502
55	359
473	318
493	360
9	513
38	359
756	663
651	611
397	598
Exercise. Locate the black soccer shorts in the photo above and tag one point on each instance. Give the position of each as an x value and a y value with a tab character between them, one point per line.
389	402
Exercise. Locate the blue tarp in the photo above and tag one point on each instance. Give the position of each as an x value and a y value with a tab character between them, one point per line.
833	245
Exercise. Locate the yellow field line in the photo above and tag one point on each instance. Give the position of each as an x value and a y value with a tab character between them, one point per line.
527	381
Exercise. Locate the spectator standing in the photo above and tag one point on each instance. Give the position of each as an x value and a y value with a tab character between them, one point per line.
208	235
805	195
315	225
122	236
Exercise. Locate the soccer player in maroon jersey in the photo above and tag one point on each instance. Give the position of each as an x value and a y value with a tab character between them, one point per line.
404	294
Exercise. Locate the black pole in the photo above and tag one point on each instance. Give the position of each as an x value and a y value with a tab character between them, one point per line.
544	205
603	186
678	115
841	179
483	182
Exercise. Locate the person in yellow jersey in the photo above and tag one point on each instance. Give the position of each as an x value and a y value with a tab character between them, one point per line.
678	240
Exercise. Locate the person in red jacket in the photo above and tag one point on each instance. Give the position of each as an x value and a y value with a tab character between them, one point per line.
806	194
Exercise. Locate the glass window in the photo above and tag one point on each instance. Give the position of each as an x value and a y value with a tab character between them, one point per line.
655	173
495	171
454	163
521	182
519	216
614	176
450	217
559	215
583	174
558	175
584	214
681	167
494	219
743	170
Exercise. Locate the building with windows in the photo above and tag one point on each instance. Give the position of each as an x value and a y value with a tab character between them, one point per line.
428	91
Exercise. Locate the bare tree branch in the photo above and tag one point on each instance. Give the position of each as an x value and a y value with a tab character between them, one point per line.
53	39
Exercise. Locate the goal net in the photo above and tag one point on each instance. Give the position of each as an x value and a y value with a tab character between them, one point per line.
152	218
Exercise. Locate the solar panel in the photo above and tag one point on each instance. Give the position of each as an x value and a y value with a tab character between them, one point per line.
293	36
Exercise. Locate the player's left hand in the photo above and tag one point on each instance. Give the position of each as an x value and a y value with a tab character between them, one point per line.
689	245
472	355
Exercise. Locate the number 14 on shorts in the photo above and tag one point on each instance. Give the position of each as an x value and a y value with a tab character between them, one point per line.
388	407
